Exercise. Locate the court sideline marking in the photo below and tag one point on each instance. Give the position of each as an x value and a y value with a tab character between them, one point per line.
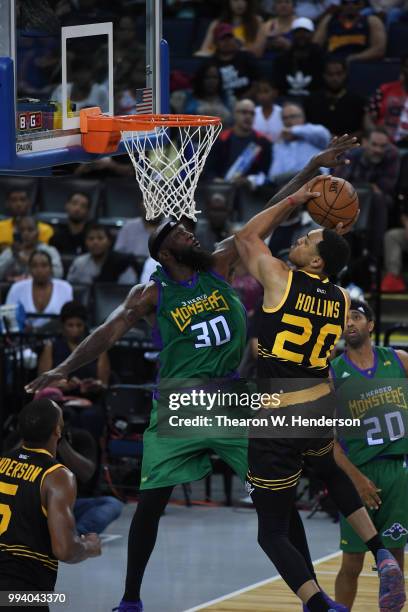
256	585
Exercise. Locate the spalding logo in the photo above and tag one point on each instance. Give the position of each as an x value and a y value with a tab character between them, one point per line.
334	186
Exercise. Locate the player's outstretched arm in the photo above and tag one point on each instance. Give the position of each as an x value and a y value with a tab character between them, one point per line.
59	495
331	157
140	302
272	273
259	261
265	222
226	253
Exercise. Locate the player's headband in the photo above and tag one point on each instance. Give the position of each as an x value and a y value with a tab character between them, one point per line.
157	238
362	307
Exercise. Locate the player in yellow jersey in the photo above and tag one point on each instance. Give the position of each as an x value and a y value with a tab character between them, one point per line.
37	494
304	315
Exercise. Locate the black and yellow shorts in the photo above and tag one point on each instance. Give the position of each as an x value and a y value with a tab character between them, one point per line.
276	463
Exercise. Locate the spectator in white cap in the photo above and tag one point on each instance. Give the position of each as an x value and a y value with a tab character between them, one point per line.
299	70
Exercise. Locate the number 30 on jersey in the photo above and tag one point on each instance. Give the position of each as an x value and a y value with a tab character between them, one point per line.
213	332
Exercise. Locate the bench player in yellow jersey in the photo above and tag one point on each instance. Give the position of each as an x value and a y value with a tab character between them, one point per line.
37	494
304	315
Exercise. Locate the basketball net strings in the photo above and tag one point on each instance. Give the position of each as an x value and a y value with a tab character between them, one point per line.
167	170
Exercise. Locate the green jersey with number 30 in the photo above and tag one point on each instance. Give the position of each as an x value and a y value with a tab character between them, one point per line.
378	401
201	326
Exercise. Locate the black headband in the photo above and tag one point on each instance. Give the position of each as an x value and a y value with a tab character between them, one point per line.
157	238
362	307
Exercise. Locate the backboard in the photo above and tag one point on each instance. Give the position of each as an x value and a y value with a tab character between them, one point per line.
59	56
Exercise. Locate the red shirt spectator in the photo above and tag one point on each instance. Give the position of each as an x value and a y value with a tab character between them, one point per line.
386	104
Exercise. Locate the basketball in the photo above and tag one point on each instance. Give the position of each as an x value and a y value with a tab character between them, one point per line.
337	203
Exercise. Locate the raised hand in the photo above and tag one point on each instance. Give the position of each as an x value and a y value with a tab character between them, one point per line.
46	380
332	156
306	192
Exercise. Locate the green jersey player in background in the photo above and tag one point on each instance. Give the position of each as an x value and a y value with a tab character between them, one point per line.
201	325
376	460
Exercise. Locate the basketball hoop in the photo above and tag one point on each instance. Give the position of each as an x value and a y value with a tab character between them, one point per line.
168	153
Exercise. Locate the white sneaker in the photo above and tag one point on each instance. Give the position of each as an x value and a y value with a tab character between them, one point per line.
246	501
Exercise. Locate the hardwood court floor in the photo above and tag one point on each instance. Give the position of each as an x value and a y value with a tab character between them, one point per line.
274	595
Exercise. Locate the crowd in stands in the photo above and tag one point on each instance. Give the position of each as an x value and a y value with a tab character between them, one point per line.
280	77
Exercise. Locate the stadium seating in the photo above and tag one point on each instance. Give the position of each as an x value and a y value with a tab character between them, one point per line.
179	35
366	77
397	40
365	193
205	190
201	27
56	191
107	297
122	200
188	65
82	294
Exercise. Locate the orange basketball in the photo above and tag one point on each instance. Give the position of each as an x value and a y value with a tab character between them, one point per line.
338	202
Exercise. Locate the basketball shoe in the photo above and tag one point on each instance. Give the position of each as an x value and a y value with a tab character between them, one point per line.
129	606
335	607
392	589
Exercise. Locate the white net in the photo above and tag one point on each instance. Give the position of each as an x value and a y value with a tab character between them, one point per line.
168	163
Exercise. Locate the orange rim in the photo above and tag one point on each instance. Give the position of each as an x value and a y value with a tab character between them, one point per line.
101	133
92	120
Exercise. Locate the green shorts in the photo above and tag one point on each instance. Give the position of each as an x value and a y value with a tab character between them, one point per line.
171	461
391	519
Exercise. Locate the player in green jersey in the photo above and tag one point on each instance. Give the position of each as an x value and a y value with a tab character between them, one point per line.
200	324
375	461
